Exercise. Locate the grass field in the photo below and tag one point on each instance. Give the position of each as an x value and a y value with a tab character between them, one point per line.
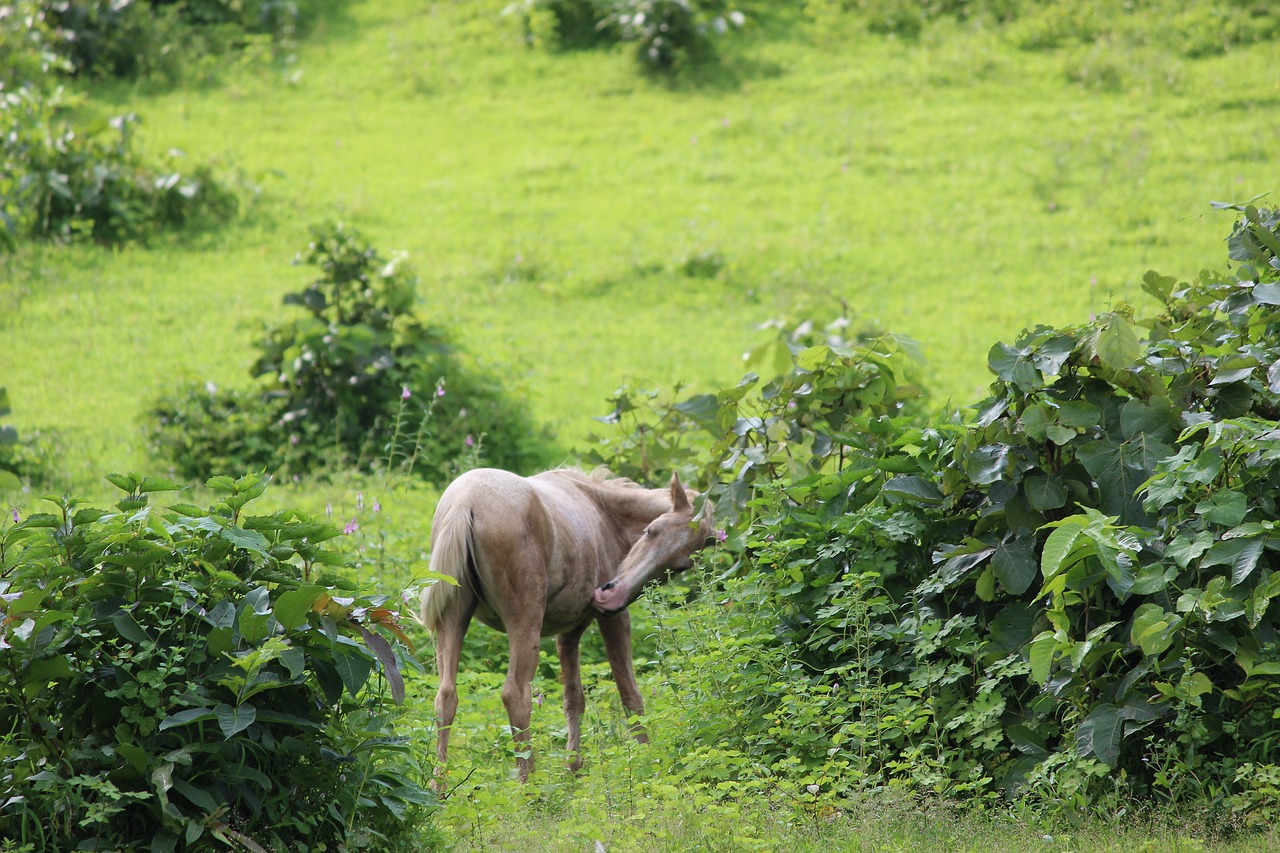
954	190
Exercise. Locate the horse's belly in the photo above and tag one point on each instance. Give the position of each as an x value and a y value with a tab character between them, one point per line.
559	618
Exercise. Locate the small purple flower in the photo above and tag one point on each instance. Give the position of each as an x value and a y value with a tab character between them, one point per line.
377	507
440	390
407	598
721	535
404	393
293	440
471	442
15	515
350	527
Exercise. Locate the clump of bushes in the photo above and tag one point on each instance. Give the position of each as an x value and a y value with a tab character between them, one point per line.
667	34
358	380
1072	595
190	677
65	177
25	458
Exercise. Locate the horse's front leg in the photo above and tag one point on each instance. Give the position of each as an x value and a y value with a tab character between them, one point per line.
517	691
616	630
575	701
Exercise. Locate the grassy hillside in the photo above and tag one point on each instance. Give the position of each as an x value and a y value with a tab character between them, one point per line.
953	189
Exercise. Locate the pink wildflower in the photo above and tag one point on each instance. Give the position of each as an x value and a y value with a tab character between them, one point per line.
440	390
404	393
721	535
351	527
377	507
15	515
471	442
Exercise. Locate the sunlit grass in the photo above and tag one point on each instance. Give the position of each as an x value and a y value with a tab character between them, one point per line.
954	190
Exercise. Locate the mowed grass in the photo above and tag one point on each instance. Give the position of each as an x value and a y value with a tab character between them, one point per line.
953	190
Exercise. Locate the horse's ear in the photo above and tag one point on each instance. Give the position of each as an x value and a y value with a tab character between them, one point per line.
679	497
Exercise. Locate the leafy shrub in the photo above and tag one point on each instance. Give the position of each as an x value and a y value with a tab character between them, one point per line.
359	381
160	38
564	24
26	458
1073	595
65	180
668	34
9	470
183	675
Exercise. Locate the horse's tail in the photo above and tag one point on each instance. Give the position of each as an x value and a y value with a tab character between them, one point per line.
450	555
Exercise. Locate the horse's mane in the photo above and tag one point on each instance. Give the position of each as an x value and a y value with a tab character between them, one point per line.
600	475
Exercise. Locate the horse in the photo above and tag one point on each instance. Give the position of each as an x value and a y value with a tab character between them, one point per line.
545	556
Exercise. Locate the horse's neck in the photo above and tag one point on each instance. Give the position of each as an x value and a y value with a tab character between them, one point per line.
630	506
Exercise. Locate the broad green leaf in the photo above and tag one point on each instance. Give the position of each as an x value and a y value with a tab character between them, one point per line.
1059	434
1015	565
292	607
1041	653
912	490
1153	629
1035	420
182	718
1227	508
233	720
1027	741
129	627
1060	549
985	586
1079	414
353	667
1099	734
1268	293
1045	493
1116	344
812	358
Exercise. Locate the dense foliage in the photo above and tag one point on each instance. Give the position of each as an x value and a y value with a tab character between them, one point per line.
667	34
65	174
174	676
359	380
8	448
1070	595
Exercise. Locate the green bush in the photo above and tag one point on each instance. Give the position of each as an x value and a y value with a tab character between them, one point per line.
61	180
357	381
9	468
1071	596
181	678
667	34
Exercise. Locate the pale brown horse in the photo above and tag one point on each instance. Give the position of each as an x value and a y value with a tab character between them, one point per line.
546	556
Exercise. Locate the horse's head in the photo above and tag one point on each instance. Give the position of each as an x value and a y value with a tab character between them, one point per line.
666	546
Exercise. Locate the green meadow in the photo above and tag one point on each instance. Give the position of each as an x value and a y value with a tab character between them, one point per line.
578	225
953	190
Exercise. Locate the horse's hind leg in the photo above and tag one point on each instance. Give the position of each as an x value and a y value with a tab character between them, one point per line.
517	690
449	633
575	700
617	645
